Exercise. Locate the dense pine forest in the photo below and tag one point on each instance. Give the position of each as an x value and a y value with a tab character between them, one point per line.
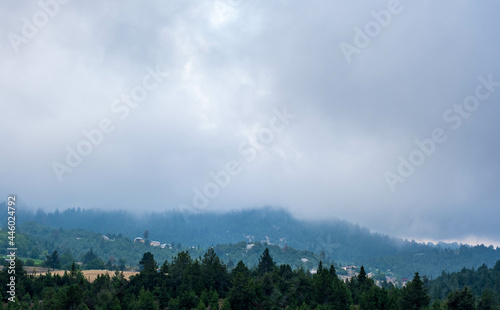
332	241
250	274
207	283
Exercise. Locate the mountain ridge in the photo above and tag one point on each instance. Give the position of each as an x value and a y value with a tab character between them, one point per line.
334	240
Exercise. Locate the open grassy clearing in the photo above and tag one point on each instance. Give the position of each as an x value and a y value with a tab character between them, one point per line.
90	275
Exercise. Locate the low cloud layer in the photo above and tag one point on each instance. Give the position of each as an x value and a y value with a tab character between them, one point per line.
216	105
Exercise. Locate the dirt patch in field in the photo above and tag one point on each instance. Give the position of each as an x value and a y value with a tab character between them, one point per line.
90	275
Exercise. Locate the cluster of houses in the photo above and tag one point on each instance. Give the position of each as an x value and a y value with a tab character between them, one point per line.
154	243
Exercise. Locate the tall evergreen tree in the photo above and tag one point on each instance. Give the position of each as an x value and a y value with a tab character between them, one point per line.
148	264
53	261
320	267
362	276
214	272
242	295
149	277
266	263
89	256
414	295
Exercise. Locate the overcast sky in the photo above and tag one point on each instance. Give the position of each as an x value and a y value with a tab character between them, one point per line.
308	105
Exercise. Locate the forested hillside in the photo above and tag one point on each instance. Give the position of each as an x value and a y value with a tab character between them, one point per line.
481	284
37	241
334	240
238	276
206	283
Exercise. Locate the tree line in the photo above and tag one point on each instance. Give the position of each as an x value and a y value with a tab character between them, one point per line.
342	242
207	283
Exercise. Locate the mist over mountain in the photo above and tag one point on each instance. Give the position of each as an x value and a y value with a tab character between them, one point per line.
335	240
145	106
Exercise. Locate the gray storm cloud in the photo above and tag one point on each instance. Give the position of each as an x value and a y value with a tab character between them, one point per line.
120	105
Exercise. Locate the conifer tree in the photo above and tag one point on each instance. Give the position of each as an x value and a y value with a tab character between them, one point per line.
266	263
414	295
